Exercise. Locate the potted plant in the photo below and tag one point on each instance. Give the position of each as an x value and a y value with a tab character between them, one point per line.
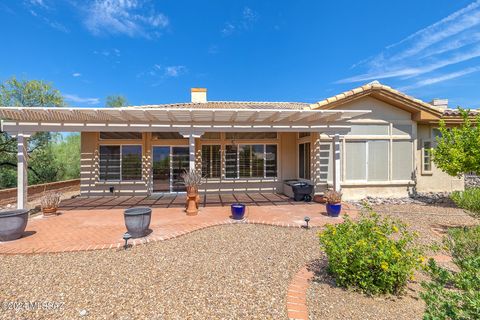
50	202
192	180
334	202
12	224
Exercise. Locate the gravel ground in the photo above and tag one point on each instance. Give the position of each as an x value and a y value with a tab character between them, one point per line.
227	272
326	301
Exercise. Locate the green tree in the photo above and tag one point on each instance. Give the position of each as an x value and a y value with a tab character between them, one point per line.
28	93
67	157
116	101
458	148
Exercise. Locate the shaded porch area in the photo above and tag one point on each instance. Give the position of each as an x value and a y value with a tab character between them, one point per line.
177	201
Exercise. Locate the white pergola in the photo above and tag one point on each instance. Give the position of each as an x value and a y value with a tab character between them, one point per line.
190	122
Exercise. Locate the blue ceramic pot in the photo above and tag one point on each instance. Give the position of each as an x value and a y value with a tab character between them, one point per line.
238	211
333	210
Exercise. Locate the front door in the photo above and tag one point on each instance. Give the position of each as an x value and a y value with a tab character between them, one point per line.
169	162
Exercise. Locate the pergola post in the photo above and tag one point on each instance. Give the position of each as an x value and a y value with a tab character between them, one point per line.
191	145
336	162
22	178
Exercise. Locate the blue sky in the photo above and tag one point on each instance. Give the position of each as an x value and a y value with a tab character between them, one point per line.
155	51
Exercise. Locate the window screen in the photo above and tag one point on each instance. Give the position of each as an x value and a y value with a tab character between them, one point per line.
121	135
131	162
378	160
356	158
109	162
167	135
211	161
303	134
250	135
402	160
271	160
211	136
369	129
402	129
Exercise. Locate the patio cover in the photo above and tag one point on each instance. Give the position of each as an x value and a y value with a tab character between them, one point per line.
146	118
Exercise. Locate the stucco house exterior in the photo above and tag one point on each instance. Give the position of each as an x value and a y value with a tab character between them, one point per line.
372	140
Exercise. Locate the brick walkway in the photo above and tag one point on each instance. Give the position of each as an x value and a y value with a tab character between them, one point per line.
79	230
297	295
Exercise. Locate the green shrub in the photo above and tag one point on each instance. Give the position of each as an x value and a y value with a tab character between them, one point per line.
375	255
455	295
468	199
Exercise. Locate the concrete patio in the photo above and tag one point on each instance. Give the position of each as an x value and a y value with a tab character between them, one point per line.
98	223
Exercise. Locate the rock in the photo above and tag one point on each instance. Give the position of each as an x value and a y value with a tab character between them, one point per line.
83	313
418	198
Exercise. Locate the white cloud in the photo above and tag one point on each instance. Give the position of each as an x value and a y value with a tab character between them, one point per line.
76	99
126	17
441	78
449	42
245	22
175	71
40	10
76	74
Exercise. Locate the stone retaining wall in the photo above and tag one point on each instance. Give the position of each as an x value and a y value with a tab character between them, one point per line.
472	181
10	195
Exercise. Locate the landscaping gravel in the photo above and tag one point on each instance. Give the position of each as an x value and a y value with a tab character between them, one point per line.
227	272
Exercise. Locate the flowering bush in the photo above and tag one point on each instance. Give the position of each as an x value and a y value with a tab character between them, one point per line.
375	255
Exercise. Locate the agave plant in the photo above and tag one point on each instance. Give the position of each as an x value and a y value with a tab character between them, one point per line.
192	178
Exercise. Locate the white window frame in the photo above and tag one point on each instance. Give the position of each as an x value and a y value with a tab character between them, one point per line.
224	172
426	172
213	143
121	164
298	159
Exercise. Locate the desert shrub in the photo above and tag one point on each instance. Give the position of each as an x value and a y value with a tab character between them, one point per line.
455	294
468	199
375	255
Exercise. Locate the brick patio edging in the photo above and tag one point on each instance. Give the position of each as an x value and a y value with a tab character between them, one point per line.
297	295
147	239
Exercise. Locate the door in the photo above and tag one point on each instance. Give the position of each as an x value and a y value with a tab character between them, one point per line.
161	169
169	163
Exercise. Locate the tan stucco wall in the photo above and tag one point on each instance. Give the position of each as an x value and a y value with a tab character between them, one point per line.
90	184
437	180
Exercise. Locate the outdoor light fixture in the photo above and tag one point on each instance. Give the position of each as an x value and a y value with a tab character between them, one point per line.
306	219
126	237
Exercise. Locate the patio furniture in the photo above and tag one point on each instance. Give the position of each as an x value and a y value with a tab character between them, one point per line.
137	221
12	224
238	211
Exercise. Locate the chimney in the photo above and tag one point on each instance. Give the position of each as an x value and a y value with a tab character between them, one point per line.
199	95
441	104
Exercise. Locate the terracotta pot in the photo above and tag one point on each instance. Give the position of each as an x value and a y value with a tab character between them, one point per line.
49	211
192	201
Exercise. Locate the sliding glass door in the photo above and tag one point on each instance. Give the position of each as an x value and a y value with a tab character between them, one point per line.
168	164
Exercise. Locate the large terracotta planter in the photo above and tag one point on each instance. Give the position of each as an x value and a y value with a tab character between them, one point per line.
192	201
12	224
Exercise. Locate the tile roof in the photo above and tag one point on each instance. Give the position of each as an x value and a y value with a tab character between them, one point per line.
233	105
456	112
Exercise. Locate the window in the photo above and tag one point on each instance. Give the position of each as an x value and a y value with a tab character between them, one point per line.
131	163
250	135
121	135
367	160
304	168
402	129
369	129
109	162
121	162
303	134
167	135
426	156
250	161
402	160
211	161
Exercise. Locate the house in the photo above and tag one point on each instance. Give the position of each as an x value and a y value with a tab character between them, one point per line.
372	140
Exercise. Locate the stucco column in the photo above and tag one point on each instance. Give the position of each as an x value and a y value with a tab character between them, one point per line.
22	178
336	162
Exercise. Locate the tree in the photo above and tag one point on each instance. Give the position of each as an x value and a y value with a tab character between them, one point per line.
28	93
458	148
116	101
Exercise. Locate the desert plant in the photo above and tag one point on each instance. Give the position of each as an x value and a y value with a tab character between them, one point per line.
333	197
468	200
455	294
374	255
192	178
51	199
